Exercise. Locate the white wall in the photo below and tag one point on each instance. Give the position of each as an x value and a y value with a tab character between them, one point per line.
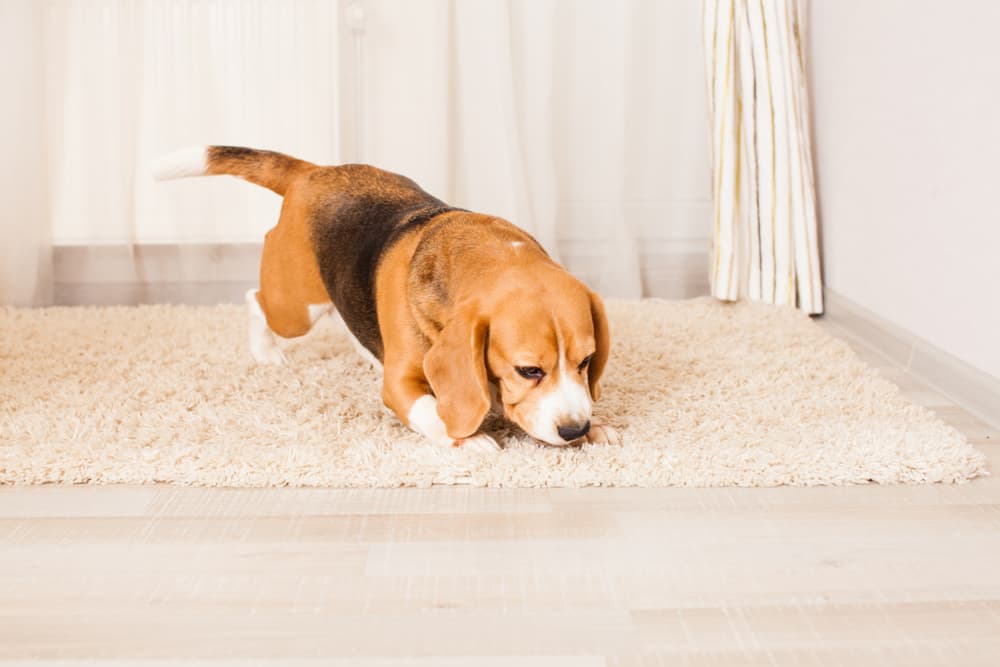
906	100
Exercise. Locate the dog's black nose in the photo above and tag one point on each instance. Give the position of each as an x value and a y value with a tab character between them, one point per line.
574	431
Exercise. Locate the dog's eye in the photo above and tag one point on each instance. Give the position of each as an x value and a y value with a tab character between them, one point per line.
584	363
530	372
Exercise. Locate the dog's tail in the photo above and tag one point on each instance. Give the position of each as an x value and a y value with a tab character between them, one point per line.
273	171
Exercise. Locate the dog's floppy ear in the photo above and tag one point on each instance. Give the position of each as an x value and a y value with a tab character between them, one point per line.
603	341
455	367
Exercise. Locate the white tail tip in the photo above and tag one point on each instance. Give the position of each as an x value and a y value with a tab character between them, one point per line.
185	162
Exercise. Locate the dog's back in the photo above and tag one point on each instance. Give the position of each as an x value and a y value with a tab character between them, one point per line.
360	211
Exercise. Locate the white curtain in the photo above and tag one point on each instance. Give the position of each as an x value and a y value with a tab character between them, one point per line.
130	80
583	121
765	237
25	266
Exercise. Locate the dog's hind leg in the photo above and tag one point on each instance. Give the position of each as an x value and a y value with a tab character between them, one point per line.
291	298
263	343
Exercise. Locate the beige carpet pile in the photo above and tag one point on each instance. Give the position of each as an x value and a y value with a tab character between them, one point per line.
703	394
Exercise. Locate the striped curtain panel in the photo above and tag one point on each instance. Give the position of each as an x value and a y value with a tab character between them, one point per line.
765	237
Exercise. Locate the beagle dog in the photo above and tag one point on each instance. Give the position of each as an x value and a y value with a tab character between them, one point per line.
460	310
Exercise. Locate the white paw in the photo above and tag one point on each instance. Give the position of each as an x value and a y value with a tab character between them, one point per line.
263	345
601	434
268	354
479	443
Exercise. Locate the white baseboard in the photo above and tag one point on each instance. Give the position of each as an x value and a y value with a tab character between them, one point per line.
973	389
191	273
221	273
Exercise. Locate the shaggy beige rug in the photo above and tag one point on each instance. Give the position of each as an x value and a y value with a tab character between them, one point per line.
703	394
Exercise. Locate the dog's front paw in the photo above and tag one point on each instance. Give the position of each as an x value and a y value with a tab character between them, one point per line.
602	434
479	443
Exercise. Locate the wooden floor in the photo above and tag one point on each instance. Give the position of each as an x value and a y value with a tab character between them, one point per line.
905	575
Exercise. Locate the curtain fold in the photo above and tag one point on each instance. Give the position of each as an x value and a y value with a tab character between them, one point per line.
580	120
130	81
765	232
25	252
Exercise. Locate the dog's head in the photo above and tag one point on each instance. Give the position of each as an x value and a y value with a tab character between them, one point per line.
543	343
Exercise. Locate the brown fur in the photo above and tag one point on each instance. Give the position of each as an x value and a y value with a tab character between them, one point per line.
289	274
